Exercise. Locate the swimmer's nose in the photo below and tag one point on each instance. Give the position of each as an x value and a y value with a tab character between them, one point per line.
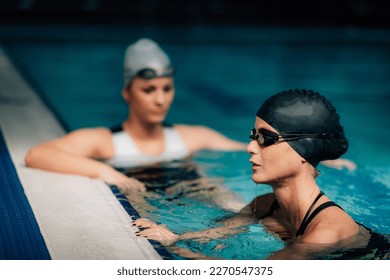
253	147
160	98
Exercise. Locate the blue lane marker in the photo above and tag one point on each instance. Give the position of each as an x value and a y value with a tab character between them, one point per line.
20	237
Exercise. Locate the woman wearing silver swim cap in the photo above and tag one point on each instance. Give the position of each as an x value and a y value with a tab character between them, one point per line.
142	138
293	131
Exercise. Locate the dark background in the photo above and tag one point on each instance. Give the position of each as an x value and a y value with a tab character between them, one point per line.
362	13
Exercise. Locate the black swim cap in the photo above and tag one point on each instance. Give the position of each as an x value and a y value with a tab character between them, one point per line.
306	112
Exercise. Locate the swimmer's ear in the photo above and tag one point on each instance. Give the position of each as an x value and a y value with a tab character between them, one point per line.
126	94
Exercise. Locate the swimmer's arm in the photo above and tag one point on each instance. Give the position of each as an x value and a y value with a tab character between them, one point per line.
74	153
232	225
201	137
310	246
78	153
294	251
160	233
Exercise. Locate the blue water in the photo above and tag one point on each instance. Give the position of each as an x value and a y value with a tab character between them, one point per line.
223	75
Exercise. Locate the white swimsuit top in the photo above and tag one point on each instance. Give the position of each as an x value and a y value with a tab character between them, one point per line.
127	154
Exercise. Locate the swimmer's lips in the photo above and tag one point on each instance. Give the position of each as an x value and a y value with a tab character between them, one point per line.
254	165
160	113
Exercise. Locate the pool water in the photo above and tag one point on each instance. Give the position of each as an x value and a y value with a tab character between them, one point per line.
223	75
353	191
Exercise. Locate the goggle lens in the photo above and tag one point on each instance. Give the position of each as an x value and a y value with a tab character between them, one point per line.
264	137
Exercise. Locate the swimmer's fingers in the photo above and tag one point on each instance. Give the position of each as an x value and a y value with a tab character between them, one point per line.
138	185
124	183
189	254
131	184
143	223
160	234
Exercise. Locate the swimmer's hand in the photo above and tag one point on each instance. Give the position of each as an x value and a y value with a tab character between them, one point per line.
340	164
151	230
124	183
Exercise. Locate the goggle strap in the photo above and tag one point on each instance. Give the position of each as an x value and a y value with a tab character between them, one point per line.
292	137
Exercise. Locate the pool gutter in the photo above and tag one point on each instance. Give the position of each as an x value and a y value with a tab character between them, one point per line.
79	217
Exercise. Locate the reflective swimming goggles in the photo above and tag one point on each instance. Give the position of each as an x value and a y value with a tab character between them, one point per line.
267	138
149	73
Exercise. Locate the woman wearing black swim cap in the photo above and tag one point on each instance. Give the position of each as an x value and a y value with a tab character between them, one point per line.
294	130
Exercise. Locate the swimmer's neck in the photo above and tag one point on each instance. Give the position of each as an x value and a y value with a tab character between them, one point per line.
295	195
141	130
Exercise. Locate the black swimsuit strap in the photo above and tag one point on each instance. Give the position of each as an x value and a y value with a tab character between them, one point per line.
311	207
306	222
275	205
116	128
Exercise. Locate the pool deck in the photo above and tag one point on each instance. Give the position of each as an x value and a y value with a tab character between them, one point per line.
79	217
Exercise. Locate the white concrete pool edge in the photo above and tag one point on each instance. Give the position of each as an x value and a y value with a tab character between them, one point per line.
79	218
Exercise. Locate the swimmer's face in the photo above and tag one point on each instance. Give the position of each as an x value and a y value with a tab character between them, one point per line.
273	163
150	100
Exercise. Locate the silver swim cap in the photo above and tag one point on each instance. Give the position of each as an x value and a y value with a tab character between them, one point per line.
147	60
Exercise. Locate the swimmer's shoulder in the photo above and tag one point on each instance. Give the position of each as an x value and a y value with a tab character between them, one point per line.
325	229
186	128
98	139
95	132
262	204
195	136
198	137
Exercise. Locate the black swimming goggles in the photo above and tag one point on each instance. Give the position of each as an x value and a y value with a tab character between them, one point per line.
267	138
150	73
